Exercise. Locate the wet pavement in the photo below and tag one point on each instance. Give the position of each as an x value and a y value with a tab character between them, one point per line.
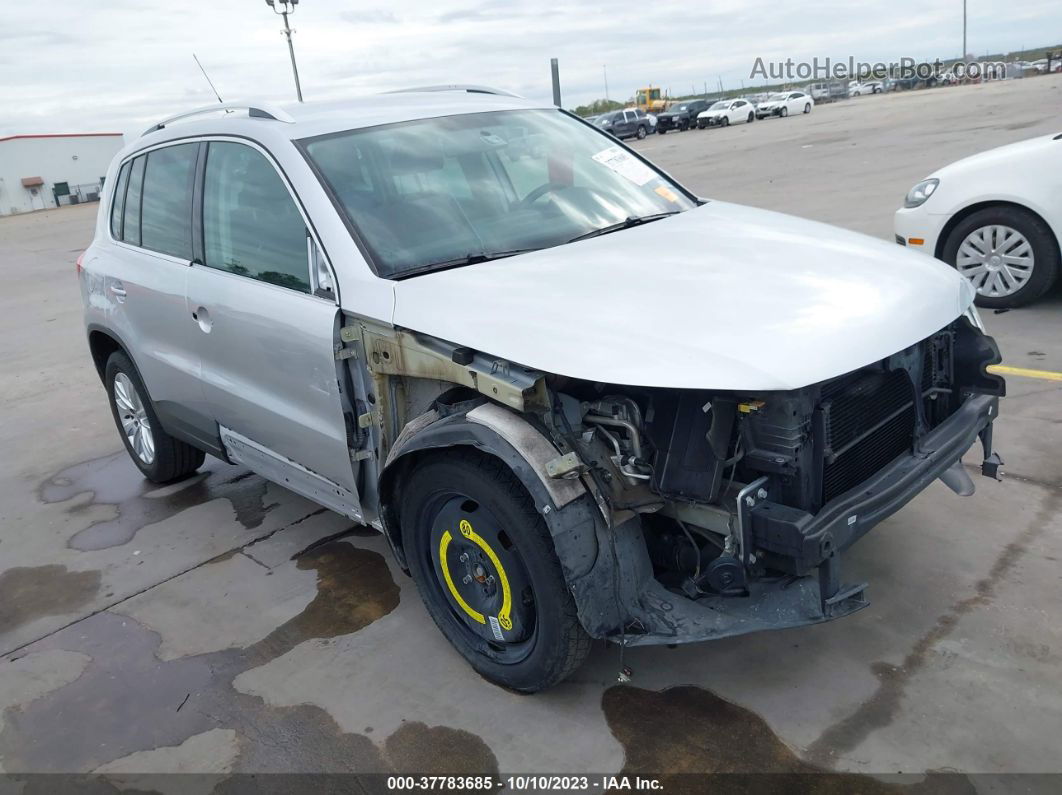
223	624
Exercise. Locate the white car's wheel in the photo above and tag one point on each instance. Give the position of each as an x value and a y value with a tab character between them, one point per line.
807	108
1008	254
784	112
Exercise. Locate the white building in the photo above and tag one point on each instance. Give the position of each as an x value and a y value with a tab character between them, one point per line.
42	171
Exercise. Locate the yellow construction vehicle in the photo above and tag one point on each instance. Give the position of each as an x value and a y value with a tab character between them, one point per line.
651	100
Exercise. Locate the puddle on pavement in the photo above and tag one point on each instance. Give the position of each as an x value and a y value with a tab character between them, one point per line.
415	747
114	480
689	730
31	592
354	588
127	700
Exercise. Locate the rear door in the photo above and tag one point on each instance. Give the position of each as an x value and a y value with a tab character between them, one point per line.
266	333
146	268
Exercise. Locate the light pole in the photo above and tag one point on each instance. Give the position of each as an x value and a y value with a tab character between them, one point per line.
964	31
288	7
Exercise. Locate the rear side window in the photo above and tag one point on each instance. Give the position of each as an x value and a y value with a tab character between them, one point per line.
251	225
131	225
118	203
166	214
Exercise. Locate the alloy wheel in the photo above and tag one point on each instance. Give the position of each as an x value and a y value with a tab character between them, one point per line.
135	422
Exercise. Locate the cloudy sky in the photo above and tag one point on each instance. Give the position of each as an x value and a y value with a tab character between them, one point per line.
118	65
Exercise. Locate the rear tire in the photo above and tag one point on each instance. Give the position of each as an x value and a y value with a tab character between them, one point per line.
751	118
159	456
1044	248
469	526
807	108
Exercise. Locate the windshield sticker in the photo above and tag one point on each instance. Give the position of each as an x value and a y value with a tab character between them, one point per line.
625	165
667	193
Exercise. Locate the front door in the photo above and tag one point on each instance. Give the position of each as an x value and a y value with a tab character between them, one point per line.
266	341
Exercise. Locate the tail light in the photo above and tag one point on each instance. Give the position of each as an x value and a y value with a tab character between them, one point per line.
80	259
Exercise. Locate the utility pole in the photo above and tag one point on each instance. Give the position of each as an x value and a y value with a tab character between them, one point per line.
964	31
288	7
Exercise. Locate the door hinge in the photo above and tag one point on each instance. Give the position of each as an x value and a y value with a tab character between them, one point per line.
368	419
345	353
361	455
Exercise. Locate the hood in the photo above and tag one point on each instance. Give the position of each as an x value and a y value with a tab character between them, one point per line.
1036	150
719	297
712	112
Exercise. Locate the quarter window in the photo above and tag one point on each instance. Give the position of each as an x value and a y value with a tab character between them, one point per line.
166	215
251	225
133	197
118	203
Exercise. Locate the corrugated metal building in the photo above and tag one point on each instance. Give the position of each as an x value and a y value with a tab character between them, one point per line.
42	171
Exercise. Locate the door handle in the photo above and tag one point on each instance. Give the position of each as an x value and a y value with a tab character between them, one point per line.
118	290
202	317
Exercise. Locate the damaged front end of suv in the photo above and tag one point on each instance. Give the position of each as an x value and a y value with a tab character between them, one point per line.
683	515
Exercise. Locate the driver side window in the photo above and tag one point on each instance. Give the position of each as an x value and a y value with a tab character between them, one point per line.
251	226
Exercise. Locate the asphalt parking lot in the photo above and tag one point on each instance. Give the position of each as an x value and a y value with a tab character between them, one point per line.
224	624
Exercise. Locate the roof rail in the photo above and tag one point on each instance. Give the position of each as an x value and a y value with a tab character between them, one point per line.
259	110
467	89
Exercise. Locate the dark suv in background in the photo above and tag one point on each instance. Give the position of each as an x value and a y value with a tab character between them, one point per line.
625	123
680	116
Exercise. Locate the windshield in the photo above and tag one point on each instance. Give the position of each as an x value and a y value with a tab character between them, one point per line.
436	193
679	108
777	97
720	105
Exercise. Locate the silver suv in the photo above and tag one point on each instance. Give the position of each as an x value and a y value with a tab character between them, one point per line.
579	401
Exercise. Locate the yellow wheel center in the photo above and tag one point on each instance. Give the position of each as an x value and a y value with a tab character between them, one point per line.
503	621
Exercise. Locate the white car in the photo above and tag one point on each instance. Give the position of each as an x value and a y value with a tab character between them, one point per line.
872	87
996	217
726	112
784	103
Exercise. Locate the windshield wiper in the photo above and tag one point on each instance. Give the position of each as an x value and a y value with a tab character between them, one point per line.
460	262
634	220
